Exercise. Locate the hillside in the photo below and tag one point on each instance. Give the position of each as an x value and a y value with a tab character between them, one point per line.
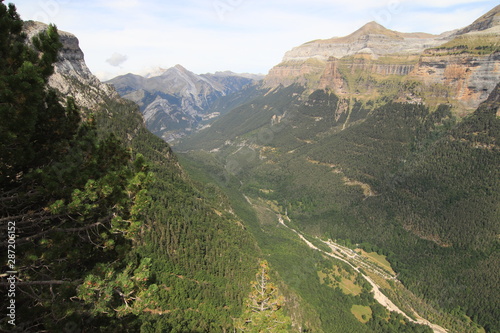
112	235
399	179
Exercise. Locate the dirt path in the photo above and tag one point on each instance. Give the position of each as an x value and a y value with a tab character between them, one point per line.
348	256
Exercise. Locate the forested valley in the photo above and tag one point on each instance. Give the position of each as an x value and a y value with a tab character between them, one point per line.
283	215
415	184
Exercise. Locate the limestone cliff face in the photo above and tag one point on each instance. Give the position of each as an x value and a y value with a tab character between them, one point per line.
301	72
468	66
371	39
462	66
71	74
335	72
468	78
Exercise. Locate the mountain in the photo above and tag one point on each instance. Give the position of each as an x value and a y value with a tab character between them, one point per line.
490	20
388	150
459	67
371	39
175	101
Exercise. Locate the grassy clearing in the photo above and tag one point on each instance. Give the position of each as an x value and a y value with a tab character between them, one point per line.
337	277
378	259
476	44
362	313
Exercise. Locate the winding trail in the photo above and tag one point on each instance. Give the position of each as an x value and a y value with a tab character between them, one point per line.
354	260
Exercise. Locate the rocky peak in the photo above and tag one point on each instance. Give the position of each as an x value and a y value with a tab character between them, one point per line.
371	28
177	70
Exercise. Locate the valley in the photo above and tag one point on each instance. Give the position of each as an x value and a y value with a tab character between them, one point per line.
360	150
355	188
358	262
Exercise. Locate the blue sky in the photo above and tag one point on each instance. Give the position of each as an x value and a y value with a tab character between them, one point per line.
136	36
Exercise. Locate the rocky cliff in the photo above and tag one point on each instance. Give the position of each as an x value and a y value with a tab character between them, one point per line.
468	78
460	67
468	66
71	75
176	101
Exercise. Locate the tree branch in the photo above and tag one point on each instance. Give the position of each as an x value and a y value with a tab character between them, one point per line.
36	283
18	217
40	234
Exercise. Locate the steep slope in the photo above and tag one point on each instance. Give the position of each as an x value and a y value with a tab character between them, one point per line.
87	90
467	67
460	68
191	262
175	101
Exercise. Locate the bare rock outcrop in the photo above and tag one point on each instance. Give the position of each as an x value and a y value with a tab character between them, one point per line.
71	75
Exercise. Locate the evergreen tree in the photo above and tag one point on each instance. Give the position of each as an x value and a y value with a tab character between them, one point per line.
264	306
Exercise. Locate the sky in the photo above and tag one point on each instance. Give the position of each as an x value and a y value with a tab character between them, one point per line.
244	36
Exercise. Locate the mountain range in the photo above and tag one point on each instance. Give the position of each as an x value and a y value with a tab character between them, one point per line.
459	67
175	101
355	188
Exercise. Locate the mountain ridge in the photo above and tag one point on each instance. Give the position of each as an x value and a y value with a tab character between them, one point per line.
487	21
371	38
460	67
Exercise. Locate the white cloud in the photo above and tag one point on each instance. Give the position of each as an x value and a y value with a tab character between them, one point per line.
116	59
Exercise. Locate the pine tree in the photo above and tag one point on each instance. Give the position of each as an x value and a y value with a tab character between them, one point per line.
76	200
263	311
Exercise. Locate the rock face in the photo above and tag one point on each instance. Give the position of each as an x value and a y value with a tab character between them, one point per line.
175	101
462	66
71	73
469	78
468	65
372	39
